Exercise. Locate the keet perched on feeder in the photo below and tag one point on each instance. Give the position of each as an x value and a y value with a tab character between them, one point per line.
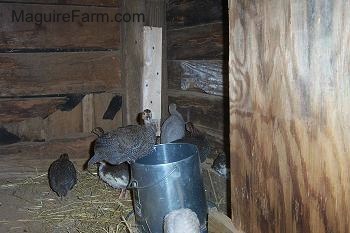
125	144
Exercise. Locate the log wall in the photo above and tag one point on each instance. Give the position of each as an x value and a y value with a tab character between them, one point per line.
197	70
42	65
58	81
289	107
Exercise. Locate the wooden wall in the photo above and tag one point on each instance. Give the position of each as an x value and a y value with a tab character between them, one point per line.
197	72
289	107
58	79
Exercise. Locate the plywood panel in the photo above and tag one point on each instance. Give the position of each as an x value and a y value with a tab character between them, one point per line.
289	107
58	73
184	13
202	76
14	110
98	32
196	43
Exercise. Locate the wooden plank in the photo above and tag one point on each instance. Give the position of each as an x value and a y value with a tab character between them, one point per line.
26	158
132	58
63	124
202	76
58	73
152	73
289	106
195	43
88	113
184	13
73	34
106	3
201	109
14	110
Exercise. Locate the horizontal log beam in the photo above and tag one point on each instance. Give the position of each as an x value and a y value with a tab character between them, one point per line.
201	76
14	110
57	34
196	43
58	73
184	13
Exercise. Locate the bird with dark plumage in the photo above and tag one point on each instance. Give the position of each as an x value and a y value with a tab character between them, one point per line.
221	165
116	176
197	138
173	127
125	144
62	175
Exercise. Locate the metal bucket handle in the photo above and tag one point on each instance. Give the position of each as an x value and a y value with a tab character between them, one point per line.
134	184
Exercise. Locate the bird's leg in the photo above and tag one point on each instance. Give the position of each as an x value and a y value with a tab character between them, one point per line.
123	194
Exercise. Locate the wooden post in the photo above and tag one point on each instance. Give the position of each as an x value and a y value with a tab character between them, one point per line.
152	73
289	105
132	57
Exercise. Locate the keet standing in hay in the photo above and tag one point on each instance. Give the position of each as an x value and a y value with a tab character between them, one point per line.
62	175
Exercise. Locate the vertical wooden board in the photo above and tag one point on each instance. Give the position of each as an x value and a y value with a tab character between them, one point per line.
152	73
132	58
289	107
88	113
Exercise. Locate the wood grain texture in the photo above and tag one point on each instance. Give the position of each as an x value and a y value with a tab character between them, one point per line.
107	3
195	43
289	107
58	73
58	35
132	58
14	110
26	158
184	13
201	76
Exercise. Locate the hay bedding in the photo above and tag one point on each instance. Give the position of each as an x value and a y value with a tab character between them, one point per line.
92	206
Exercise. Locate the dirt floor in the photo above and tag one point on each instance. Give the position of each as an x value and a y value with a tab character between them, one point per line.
28	205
